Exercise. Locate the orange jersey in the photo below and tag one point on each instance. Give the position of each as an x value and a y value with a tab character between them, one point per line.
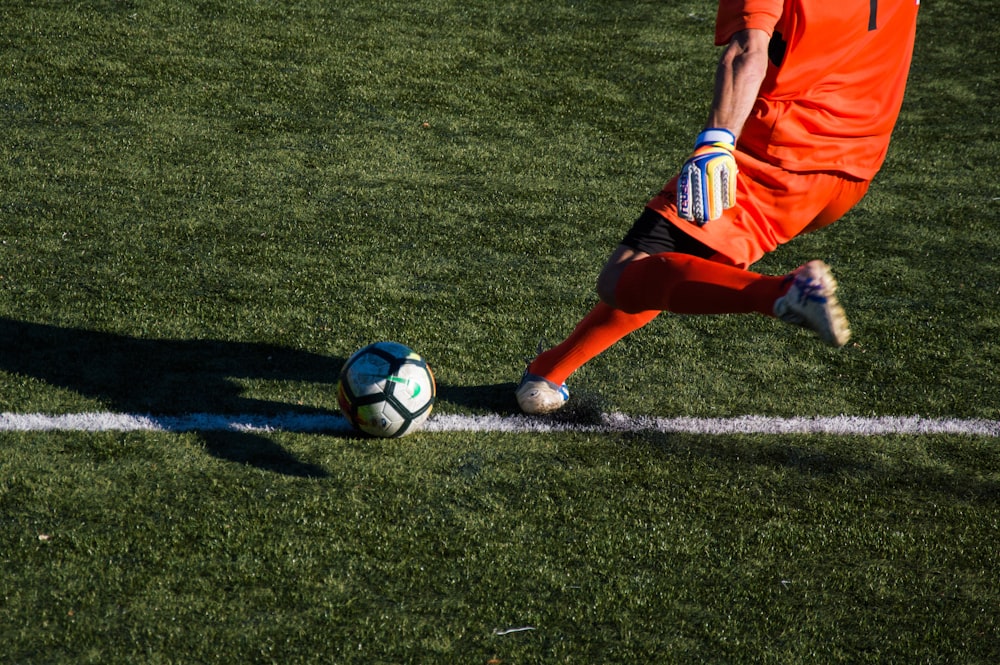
820	128
835	82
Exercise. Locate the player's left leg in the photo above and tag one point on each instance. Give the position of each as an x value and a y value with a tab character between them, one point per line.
543	388
543	385
604	325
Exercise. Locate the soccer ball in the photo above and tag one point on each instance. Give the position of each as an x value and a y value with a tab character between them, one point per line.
386	390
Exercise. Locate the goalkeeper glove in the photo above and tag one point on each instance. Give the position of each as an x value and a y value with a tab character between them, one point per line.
707	182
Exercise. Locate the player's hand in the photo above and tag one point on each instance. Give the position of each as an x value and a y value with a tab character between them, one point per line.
707	182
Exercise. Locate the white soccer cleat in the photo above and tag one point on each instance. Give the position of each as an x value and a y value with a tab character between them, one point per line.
812	303
537	395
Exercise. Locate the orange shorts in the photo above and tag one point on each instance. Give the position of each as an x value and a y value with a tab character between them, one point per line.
772	207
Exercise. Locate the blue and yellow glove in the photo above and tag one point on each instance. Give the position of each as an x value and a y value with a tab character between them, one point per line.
707	182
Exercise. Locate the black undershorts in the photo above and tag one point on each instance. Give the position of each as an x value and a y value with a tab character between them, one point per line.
653	233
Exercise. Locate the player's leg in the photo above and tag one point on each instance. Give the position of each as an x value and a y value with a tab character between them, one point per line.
661	267
542	388
688	284
671	271
602	327
811	302
774	207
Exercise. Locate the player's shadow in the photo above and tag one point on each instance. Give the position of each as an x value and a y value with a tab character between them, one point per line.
491	398
172	377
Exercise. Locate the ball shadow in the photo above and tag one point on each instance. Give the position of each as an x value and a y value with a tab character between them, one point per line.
168	377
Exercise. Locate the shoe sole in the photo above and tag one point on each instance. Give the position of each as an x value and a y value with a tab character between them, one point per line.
838	330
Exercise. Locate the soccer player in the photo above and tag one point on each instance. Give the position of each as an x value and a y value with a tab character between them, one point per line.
806	95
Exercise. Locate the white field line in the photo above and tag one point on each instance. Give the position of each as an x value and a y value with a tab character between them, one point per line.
611	422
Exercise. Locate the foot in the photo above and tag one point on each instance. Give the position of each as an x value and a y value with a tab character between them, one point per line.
811	302
537	395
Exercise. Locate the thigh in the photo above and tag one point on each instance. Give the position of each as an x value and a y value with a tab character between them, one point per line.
851	192
772	207
787	204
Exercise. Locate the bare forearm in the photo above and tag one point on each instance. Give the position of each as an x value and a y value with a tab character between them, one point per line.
738	78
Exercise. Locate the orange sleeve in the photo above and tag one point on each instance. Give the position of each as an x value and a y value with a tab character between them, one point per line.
736	15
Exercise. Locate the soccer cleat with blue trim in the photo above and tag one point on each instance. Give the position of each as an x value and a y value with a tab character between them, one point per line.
811	303
537	395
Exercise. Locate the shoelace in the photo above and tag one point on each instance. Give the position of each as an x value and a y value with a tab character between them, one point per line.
810	289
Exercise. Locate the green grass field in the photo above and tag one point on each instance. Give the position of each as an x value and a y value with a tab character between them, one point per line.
207	205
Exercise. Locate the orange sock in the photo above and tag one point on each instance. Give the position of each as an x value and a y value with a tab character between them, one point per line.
598	330
686	284
673	282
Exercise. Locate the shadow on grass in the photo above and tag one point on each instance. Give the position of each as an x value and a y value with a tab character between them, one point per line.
170	377
954	475
493	398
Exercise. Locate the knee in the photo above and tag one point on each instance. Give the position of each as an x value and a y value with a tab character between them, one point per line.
607	281
607	284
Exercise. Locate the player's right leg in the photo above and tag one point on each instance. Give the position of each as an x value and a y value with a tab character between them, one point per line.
536	395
